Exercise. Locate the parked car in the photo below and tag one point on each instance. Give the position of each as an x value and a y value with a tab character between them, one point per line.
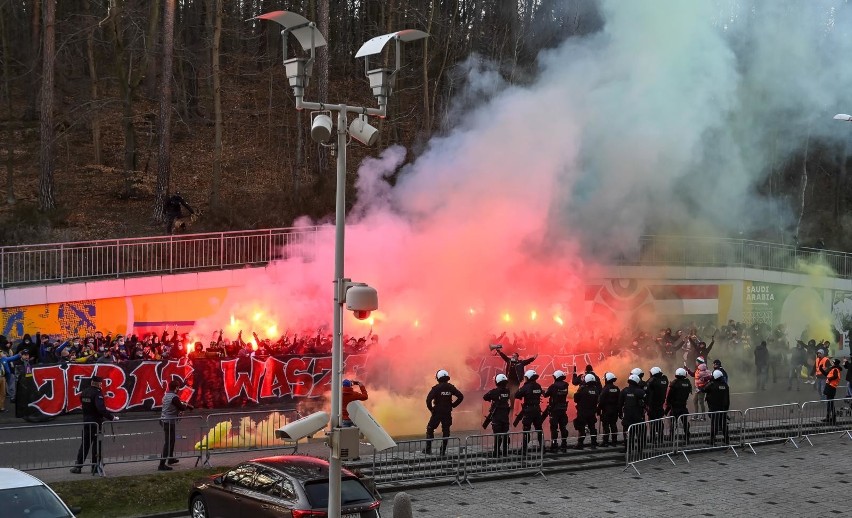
288	485
24	496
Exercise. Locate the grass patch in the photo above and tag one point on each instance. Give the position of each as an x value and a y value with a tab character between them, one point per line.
138	495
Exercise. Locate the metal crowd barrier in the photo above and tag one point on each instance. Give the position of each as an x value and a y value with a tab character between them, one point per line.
46	446
141	440
649	440
707	432
422	459
825	417
502	453
229	432
771	423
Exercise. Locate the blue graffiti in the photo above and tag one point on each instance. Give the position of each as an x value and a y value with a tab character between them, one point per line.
14	320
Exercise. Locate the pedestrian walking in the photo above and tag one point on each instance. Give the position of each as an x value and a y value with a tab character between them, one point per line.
440	404
94	414
169	415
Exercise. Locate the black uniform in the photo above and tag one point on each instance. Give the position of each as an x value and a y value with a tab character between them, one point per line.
631	403
557	395
608	409
586	400
655	399
719	402
531	393
679	391
515	373
440	403
499	398
578	380
94	413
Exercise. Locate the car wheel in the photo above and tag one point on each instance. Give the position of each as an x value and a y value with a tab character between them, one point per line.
198	508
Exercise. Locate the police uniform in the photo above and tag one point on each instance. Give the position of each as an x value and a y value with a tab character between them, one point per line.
94	414
499	414
586	400
557	395
608	410
679	391
719	402
655	399
531	394
440	404
631	403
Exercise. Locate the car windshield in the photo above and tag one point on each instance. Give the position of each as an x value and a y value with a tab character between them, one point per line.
31	502
352	491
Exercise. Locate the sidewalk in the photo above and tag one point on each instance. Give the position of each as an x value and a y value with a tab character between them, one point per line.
779	481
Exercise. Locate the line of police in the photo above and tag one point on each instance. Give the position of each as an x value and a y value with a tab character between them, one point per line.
655	399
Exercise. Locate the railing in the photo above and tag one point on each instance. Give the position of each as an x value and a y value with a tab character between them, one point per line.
69	262
245	431
419	460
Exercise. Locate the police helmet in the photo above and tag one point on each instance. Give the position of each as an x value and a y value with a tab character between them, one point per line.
655	371
530	374
717	374
636	372
634	378
500	378
442	374
590	378
558	374
610	376
680	372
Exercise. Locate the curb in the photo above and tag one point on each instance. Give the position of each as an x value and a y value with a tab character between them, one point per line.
169	514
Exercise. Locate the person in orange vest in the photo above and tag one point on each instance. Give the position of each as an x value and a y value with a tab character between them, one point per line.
349	395
821	367
832	379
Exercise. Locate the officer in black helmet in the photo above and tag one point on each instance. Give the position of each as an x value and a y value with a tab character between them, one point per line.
498	416
94	414
531	394
557	395
441	404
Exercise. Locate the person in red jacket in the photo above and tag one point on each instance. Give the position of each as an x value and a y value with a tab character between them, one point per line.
349	395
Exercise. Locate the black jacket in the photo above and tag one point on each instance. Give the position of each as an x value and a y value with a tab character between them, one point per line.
718	396
499	398
631	402
679	391
608	402
586	399
656	391
515	368
440	398
94	409
531	394
848	366
557	395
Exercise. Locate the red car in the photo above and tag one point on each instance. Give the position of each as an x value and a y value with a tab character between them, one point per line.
285	486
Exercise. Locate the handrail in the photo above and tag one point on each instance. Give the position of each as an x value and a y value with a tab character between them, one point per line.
136	256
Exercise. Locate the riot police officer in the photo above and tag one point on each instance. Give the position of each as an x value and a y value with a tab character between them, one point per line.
557	395
719	402
498	416
655	399
608	409
586	400
679	391
530	394
441	404
94	414
631	403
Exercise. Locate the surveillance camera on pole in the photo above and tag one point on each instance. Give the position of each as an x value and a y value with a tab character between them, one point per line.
843	117
303	427
358	298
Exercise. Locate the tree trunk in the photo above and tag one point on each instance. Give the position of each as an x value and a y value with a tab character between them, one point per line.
35	43
322	76
217	105
46	156
165	119
93	88
427	114
10	136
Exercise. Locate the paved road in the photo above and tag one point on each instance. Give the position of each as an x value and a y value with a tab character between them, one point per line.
778	481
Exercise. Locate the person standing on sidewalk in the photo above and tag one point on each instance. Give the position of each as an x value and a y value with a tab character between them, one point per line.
94	414
441	404
172	407
761	365
821	367
832	379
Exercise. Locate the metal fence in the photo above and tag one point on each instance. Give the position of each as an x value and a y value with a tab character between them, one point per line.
142	440
710	431
64	262
649	440
503	452
771	423
232	432
46	446
825	417
67	262
420	460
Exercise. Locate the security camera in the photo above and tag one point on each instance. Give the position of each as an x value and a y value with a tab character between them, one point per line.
362	131
361	299
371	429
321	128
304	427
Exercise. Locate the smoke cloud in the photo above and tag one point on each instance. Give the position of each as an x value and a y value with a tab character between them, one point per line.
667	120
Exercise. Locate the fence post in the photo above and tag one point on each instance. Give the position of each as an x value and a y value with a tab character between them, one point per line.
117	259
221	250
171	253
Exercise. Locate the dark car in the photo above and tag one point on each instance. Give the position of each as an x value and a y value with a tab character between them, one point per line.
287	485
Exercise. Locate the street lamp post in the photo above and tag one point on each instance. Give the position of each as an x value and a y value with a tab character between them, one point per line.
362	299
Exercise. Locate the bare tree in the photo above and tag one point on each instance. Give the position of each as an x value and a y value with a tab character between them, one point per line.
47	159
7	86
164	121
217	102
93	84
